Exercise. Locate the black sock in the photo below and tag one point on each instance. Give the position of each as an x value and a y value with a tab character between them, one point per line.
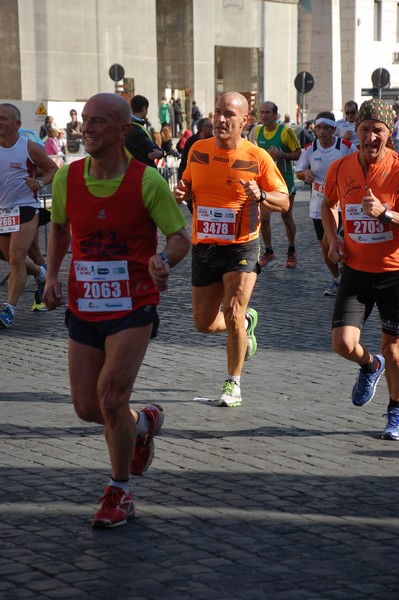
269	250
291	250
393	403
372	366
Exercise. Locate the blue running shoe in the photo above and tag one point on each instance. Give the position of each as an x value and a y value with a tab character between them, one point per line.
6	316
391	431
252	318
366	383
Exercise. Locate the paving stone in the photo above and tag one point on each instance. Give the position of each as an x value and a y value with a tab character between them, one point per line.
276	499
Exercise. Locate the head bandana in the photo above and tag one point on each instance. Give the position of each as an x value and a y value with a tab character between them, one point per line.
326	121
377	110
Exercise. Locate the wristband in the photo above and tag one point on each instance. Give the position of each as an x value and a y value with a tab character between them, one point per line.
165	259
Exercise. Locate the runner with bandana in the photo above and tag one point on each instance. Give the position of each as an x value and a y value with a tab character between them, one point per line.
366	185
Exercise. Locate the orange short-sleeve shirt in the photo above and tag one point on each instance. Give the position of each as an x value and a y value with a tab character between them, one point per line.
222	212
370	246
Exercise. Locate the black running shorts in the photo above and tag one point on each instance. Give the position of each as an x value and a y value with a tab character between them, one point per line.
360	291
210	261
94	333
319	229
26	214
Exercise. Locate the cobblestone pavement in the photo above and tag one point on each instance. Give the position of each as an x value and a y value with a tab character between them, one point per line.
288	497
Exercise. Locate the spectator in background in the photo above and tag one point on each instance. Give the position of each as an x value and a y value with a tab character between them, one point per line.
48	121
74	133
61	141
287	120
138	140
172	116
156	136
183	137
252	121
163	112
178	116
307	134
205	130
196	115
167	142
50	145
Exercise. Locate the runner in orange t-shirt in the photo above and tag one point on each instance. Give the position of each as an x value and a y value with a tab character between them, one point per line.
366	186
227	179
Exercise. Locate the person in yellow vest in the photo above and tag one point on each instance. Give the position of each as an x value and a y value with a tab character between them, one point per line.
283	146
138	141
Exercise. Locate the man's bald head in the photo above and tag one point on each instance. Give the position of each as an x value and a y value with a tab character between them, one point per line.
113	105
231	116
235	99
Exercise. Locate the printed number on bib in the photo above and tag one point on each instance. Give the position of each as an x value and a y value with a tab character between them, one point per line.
364	229
216	223
103	286
9	220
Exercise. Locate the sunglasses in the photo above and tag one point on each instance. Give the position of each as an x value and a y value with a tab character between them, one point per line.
350	112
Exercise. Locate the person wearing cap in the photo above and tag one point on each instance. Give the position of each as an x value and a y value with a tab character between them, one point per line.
312	167
366	185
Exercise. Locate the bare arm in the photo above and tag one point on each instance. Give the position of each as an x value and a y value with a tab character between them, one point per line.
373	207
275	201
59	241
330	220
182	191
176	248
47	167
306	175
276	153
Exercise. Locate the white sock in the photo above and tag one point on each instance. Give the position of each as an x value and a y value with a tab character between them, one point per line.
42	276
143	424
124	485
235	378
11	307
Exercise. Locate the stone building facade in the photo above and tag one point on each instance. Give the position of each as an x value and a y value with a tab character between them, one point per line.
197	49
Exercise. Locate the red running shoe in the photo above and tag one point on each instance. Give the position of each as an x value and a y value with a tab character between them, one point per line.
265	258
116	509
144	450
291	261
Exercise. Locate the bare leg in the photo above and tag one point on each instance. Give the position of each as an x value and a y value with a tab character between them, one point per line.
289	222
101	384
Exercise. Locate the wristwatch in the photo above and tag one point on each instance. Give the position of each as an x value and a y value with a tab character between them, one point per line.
386	217
40	183
263	196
